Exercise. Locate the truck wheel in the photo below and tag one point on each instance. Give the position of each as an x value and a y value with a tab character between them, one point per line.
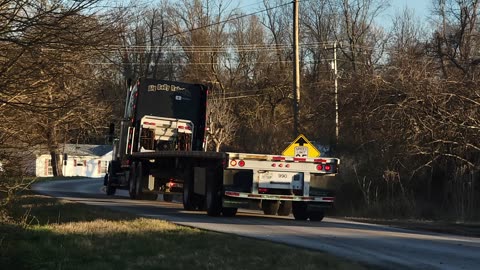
213	194
299	210
270	207
132	185
168	197
109	189
316	215
138	180
141	178
105	179
188	195
285	208
229	211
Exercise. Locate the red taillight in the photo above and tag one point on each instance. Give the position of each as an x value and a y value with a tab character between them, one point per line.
288	165
328	167
274	165
319	167
280	165
262	190
231	193
241	163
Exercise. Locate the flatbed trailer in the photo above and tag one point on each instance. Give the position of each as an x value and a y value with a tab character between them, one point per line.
160	153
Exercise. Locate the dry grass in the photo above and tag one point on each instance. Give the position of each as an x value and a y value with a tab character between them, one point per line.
52	234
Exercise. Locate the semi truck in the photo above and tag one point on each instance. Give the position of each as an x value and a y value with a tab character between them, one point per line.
161	149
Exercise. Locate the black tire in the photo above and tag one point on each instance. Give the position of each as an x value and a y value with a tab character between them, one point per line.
105	179
168	197
141	179
213	194
229	211
270	207
285	208
316	215
110	190
188	194
132	181
299	210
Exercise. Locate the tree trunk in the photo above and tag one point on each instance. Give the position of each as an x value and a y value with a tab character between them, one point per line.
56	164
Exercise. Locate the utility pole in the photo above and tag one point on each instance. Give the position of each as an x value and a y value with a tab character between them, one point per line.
336	91
335	72
296	71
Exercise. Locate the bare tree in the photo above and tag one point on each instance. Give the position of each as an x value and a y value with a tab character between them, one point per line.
221	122
47	64
456	41
357	27
146	47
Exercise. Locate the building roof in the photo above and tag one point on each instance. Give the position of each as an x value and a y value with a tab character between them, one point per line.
86	149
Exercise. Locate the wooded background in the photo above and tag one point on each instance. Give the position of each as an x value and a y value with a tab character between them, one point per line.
409	97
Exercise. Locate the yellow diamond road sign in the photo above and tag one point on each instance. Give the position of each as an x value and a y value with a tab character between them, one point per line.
301	147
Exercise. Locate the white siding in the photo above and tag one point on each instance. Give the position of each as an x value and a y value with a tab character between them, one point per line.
87	166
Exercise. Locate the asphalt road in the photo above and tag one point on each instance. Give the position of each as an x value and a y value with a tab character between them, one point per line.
387	247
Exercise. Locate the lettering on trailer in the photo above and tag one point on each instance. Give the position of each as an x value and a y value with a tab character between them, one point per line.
164	87
301	147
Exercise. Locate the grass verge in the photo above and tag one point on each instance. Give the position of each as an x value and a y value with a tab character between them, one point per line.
46	233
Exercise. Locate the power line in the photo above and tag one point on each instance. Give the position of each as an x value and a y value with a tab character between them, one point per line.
227	20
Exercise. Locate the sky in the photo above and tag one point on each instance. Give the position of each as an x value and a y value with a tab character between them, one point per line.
420	7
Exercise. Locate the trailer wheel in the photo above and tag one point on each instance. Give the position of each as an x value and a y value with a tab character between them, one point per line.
270	207
188	195
213	194
285	208
132	179
299	210
168	197
316	215
229	211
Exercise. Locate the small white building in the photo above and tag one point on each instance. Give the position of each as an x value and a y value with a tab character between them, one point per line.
78	160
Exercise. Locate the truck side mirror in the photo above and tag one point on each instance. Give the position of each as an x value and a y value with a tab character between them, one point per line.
111	131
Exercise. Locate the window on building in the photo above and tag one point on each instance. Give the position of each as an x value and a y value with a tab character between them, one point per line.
104	166
48	167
